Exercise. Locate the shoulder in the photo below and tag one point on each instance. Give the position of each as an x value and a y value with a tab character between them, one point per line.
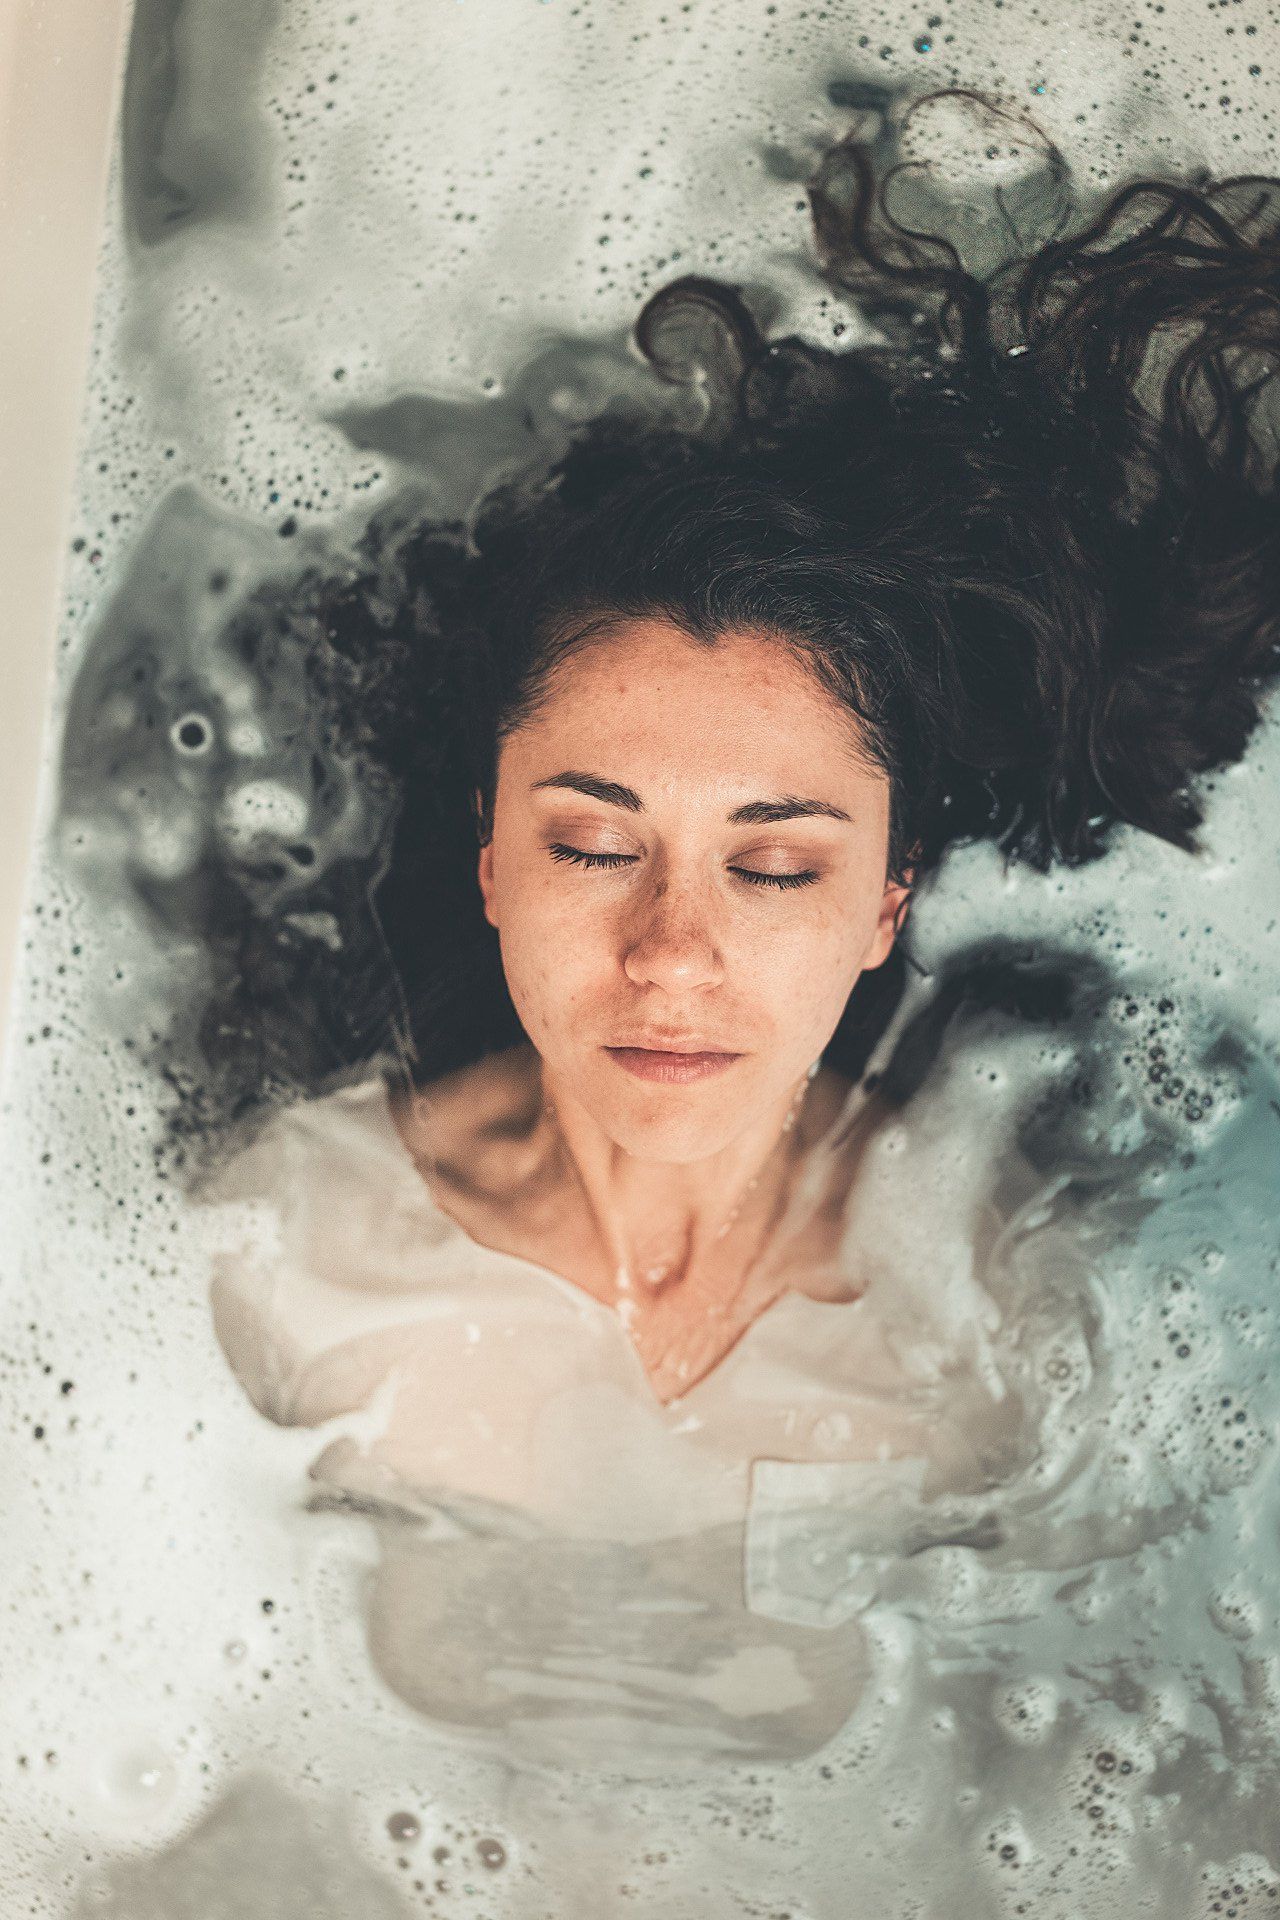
476	1131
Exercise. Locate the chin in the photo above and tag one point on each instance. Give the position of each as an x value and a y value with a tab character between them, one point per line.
668	1121
674	1144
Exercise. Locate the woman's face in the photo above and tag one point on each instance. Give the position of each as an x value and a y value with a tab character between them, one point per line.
667	939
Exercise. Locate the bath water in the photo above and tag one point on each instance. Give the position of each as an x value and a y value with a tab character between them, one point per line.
360	252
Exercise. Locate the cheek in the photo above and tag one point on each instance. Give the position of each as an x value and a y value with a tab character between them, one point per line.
827	941
810	979
823	968
801	962
550	956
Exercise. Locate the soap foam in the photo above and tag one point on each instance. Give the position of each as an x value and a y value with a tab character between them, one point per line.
347	251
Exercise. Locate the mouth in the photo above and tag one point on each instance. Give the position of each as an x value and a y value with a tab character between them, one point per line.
665	1064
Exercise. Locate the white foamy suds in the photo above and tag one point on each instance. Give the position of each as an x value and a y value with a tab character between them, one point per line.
1073	1706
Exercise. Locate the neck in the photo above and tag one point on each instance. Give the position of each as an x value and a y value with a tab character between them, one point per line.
668	1226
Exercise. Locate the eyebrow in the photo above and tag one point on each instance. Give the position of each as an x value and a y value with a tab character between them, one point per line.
788	806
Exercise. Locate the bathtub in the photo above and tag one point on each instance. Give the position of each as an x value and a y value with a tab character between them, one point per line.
59	67
200	1712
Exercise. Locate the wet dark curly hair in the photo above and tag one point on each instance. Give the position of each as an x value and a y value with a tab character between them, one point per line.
1028	535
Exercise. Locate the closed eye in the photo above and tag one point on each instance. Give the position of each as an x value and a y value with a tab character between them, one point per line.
559	851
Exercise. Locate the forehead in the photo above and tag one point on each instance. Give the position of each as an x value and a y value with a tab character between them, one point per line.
745	703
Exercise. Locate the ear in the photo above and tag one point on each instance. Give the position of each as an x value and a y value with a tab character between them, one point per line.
894	905
484	864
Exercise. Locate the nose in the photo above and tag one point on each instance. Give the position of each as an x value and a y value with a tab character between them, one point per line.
672	940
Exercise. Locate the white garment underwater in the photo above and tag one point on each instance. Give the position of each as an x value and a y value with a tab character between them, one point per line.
567	1563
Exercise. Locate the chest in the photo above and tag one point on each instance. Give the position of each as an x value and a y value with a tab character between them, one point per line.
683	1329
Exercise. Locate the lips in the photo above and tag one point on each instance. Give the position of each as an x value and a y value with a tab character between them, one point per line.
689	1043
664	1064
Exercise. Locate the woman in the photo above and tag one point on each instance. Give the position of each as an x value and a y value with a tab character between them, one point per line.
584	1263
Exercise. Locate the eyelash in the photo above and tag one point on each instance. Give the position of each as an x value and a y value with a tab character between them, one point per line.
559	851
